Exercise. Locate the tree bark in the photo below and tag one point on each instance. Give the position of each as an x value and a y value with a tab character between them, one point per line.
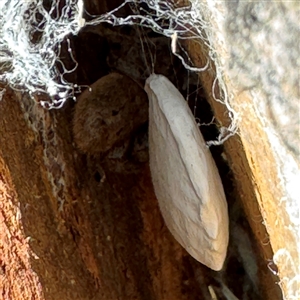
84	225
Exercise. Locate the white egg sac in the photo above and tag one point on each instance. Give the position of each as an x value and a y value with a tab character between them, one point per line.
185	178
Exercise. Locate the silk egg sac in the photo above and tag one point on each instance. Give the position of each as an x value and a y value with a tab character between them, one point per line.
185	177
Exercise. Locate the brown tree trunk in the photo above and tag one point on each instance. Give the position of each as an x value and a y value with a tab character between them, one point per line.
86	229
77	225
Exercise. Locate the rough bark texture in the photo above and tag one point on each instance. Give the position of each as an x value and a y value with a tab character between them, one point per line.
108	241
266	98
249	180
90	228
79	225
